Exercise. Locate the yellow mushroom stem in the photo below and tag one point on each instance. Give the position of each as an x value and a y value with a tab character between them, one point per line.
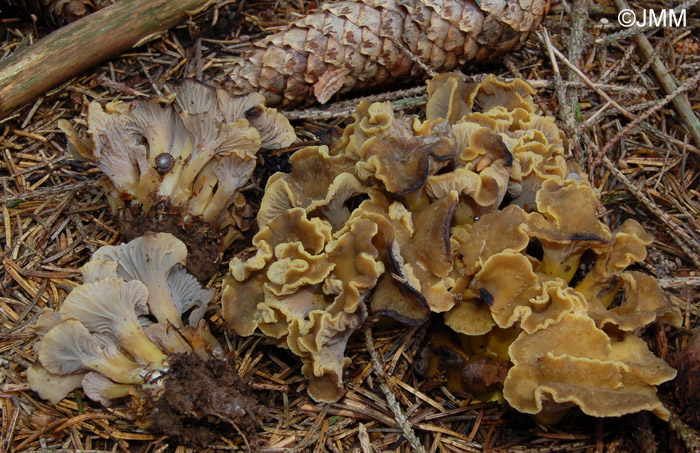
134	340
564	269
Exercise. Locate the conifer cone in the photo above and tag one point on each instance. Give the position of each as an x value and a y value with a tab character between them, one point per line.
352	45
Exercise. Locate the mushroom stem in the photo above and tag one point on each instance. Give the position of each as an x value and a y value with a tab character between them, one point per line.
184	186
147	186
136	343
103	390
592	287
217	203
587	285
160	301
564	269
116	366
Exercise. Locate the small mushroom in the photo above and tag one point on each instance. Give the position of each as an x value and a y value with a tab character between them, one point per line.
52	387
212	141
111	307
393	151
167	139
103	390
404	162
149	259
318	182
470	316
628	246
516	94
48	319
428	252
118	152
69	348
295	268
188	295
567	232
323	349
274	129
95	270
395	297
502	231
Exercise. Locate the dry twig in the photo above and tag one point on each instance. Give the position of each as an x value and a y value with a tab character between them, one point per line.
664	75
401	419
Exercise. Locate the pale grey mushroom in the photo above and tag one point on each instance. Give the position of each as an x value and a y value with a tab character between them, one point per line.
52	387
103	390
150	259
119	154
69	348
111	307
47	320
95	270
274	128
167	137
232	173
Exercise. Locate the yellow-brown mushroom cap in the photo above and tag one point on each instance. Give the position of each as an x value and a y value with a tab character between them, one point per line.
567	232
628	246
501	231
449	97
403	163
604	379
511	95
316	181
643	302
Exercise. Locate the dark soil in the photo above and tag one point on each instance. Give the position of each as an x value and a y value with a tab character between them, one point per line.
687	383
205	400
203	242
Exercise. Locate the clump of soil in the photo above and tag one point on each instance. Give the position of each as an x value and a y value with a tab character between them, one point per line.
205	400
687	382
203	242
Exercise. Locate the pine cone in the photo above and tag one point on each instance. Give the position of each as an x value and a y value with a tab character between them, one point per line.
349	46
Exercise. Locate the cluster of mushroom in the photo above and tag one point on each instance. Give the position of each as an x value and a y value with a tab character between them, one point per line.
466	213
112	335
191	158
